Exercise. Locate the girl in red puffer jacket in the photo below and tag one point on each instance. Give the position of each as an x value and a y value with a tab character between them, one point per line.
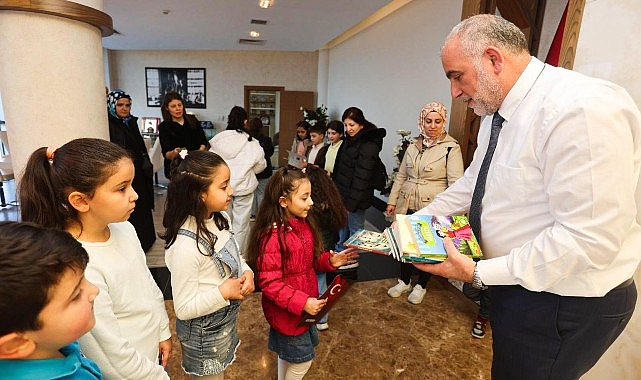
286	248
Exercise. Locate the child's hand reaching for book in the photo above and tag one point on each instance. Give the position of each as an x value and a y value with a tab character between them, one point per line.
232	288
344	257
314	305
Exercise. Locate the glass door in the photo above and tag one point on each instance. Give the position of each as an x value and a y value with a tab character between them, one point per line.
263	102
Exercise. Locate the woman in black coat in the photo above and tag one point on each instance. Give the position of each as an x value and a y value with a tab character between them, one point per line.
178	130
123	130
356	168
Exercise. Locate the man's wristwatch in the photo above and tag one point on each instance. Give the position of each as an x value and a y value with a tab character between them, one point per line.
476	279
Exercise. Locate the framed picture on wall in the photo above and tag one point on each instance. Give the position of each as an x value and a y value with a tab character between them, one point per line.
189	83
150	124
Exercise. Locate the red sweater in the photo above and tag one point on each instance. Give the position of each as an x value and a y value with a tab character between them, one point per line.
286	289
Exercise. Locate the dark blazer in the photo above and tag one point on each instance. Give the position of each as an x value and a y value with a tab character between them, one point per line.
266	143
320	157
173	135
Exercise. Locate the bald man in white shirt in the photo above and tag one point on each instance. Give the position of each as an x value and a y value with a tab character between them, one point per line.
558	220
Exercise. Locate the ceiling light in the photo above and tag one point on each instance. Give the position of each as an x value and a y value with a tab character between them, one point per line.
265	3
254	34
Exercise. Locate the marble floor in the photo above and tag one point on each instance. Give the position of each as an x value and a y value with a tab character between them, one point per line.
10	211
371	335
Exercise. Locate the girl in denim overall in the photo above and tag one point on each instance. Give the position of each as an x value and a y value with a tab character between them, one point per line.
209	277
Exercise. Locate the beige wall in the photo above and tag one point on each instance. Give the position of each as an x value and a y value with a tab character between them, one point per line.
393	67
227	72
608	48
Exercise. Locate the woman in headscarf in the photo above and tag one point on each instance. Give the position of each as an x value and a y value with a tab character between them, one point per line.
431	164
123	130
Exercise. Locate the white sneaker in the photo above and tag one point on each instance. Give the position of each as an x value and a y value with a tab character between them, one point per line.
398	289
417	295
322	326
349	266
457	284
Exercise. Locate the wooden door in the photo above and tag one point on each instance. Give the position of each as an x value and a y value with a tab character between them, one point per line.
291	112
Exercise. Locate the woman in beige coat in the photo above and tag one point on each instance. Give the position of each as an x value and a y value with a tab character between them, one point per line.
430	164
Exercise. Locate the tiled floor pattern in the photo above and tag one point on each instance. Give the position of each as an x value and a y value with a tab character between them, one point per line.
371	335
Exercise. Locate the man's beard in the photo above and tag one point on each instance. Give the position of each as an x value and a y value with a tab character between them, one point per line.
487	99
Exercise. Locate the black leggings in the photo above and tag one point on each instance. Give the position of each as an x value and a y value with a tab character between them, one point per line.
406	273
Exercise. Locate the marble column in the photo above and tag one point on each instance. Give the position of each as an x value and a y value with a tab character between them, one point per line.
51	77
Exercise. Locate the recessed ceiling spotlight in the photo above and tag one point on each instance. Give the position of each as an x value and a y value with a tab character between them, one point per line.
254	34
265	3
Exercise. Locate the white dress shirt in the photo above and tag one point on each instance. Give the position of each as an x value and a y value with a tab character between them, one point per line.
311	157
562	201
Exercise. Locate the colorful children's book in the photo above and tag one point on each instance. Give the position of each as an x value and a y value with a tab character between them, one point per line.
368	241
334	292
421	236
397	254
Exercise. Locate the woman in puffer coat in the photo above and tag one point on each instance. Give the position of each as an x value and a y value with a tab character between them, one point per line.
356	167
245	158
430	165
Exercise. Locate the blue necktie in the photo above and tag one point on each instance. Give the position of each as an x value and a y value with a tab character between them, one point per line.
479	188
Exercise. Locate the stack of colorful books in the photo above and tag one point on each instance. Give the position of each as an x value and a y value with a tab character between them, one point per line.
419	238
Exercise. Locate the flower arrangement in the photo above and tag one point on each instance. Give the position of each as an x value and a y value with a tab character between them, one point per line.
399	152
316	117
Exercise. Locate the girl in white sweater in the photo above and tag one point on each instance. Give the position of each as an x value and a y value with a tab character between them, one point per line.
84	187
209	277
